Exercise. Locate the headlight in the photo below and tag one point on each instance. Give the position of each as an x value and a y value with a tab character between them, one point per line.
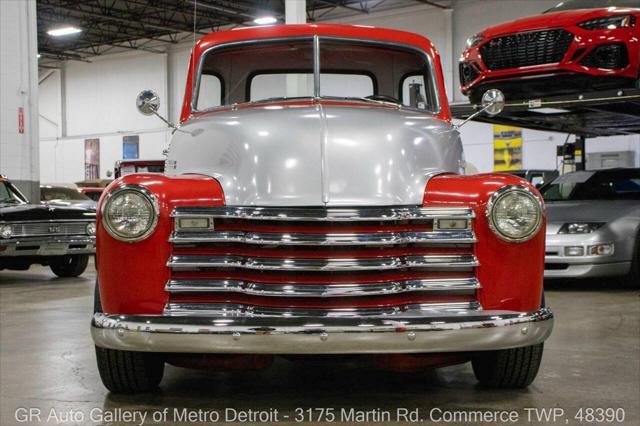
579	227
6	231
514	213
130	213
474	40
91	228
609	22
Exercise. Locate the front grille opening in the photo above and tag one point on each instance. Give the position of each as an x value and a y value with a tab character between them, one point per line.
77	246
27	248
302	258
526	49
609	56
556	266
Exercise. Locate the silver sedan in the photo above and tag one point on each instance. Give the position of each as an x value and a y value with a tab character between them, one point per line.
593	224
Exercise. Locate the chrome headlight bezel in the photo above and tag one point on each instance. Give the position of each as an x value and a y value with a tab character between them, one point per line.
6	231
147	195
504	192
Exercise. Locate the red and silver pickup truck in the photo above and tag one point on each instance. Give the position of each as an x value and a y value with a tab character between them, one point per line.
314	203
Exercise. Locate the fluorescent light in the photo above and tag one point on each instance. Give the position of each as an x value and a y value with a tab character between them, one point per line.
265	20
550	110
39	56
63	31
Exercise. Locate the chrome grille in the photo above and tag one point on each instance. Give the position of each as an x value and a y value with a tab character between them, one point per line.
526	49
49	228
292	261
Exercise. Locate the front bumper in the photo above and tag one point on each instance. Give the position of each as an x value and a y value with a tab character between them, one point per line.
48	246
465	331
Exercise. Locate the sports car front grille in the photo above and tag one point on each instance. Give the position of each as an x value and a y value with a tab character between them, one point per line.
337	261
49	228
526	49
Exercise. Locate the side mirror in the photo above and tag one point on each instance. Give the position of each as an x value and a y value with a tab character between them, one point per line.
493	102
148	102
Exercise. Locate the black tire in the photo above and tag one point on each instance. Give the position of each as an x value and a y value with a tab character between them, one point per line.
509	368
69	266
129	372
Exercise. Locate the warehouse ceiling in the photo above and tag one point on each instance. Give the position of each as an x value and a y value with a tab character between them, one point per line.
109	26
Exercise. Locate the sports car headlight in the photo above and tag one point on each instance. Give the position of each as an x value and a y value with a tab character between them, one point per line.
474	40
130	213
609	22
515	213
579	227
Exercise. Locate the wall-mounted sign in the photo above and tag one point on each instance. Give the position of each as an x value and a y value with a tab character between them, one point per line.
92	158
21	120
507	148
130	147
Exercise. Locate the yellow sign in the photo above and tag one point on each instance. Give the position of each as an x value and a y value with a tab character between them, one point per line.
507	148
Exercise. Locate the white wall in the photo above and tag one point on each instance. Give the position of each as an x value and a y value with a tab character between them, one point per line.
19	92
99	97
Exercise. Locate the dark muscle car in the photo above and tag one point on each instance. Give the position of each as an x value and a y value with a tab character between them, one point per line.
60	237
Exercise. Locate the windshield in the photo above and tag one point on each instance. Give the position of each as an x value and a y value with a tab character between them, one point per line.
607	185
53	193
9	194
284	69
592	4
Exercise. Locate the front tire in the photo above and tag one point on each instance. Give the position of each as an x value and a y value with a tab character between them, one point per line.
508	368
70	266
129	372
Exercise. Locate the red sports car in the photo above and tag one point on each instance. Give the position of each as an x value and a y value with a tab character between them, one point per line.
575	46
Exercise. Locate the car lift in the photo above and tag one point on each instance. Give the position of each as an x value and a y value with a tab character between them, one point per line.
586	115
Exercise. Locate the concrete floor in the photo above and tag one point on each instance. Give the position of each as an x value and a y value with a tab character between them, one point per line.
47	362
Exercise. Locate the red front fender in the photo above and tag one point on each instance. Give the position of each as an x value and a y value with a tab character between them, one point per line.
510	274
132	276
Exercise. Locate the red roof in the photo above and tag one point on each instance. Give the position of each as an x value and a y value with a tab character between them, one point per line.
347	31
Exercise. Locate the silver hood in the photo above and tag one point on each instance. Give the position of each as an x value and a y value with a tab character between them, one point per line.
313	155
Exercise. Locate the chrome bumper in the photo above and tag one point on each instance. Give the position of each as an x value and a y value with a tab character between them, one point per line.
462	331
48	246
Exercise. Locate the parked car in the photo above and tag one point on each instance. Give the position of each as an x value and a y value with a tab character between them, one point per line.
93	193
62	237
537	177
575	46
65	196
126	167
330	220
593	226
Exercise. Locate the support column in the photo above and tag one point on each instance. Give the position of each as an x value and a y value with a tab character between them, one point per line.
19	142
295	12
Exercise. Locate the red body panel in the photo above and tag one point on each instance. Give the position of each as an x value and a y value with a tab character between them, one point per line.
132	275
583	39
510	273
347	31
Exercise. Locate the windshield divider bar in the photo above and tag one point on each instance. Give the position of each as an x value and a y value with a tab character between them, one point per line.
316	66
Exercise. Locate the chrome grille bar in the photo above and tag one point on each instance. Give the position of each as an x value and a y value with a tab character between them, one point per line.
221	310
49	228
331	214
321	290
436	262
338	239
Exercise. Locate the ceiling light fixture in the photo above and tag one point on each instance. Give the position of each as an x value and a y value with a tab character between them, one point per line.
265	20
63	31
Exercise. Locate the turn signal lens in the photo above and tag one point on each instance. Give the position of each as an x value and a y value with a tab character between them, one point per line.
91	228
601	250
515	213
